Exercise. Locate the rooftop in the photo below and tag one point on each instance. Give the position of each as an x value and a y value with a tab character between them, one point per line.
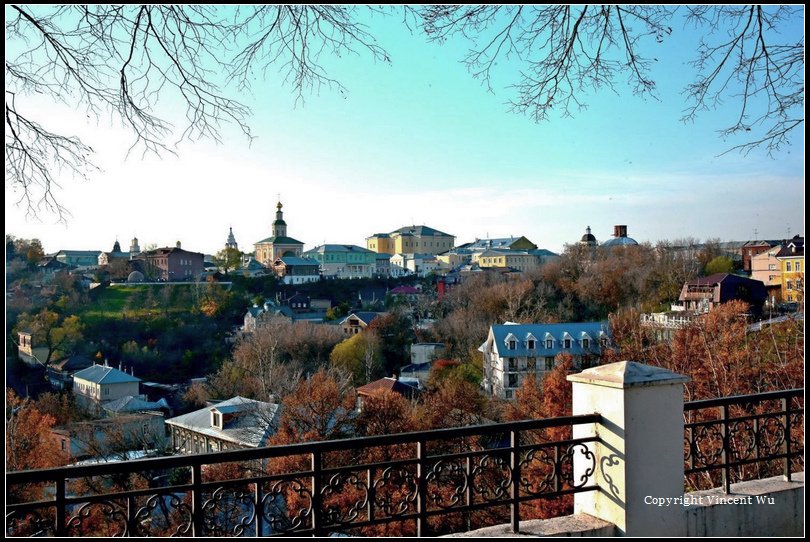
252	424
101	374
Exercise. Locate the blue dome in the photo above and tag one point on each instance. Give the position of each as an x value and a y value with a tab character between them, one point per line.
619	242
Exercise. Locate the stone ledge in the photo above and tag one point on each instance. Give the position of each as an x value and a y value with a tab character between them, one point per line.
755	487
577	525
779	511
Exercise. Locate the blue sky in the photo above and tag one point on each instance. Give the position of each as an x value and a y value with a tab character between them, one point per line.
420	141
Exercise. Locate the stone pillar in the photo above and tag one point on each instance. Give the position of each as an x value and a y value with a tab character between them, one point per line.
641	447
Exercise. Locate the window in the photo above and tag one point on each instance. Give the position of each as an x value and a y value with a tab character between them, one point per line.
549	363
604	341
567	343
215	419
549	343
531	364
513	380
789	285
771	267
63	444
530	344
106	391
508	394
512	344
798	266
787	266
512	364
586	343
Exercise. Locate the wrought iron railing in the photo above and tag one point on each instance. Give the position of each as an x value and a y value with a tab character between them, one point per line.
744	437
419	483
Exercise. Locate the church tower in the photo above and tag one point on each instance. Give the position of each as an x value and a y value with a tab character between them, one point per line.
278	245
134	249
279	226
231	243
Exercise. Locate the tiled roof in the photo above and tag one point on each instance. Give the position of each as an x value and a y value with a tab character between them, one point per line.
253	421
405	290
387	384
72	363
105	375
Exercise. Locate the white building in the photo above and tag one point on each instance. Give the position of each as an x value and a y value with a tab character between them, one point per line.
512	352
101	383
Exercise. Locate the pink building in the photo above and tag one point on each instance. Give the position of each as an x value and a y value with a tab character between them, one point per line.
173	264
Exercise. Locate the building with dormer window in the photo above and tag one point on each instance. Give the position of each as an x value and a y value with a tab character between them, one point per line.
227	425
512	352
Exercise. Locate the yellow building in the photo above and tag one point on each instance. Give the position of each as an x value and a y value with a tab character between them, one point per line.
516	259
411	240
791	261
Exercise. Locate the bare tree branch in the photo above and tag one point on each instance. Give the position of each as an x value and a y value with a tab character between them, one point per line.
564	52
141	64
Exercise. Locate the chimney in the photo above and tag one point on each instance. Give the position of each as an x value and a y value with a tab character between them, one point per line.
119	366
620	230
106	364
132	370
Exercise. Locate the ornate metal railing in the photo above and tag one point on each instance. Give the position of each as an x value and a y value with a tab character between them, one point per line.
744	437
417	483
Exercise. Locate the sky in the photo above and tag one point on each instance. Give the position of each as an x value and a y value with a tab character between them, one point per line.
419	141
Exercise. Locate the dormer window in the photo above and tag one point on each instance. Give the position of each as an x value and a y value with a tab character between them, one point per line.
511	342
605	342
531	341
216	419
566	343
549	343
586	343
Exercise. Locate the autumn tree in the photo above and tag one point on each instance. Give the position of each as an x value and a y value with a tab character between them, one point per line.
386	413
34	252
213	299
29	444
456	403
320	408
228	259
58	334
360	355
396	333
258	359
719	264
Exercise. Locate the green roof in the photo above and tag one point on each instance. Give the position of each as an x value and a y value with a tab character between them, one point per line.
280	241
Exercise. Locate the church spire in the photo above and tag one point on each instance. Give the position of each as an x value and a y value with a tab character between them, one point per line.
279	226
231	242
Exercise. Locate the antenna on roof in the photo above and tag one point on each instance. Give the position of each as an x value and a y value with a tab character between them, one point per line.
756	232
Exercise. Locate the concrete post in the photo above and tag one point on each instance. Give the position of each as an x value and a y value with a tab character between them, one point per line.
640	452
